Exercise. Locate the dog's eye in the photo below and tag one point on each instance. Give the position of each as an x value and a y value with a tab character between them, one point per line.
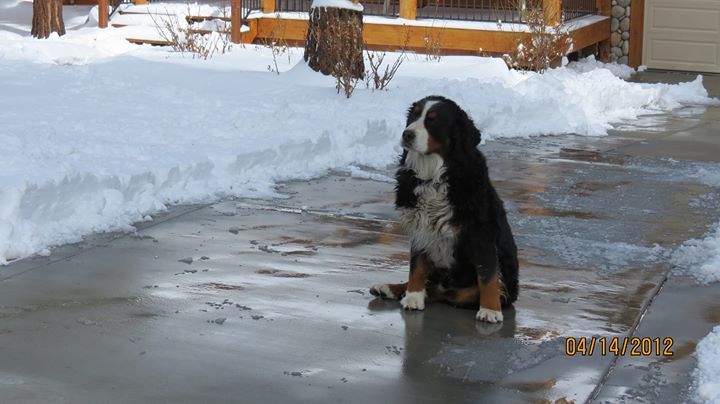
431	115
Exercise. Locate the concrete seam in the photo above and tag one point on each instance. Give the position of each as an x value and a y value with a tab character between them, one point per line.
613	363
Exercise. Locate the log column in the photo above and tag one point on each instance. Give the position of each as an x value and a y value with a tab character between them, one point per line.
103	13
235	20
408	9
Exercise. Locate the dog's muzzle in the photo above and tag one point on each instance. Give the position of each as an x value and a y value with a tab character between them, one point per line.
408	138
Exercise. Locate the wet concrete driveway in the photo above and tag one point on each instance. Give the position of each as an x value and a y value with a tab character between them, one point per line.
266	301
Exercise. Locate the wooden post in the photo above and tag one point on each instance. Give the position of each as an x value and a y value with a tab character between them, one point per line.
408	9
636	32
604	8
235	20
103	13
553	11
268	6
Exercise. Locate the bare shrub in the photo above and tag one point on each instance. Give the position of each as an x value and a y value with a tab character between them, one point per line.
346	83
278	45
177	31
544	44
377	77
433	41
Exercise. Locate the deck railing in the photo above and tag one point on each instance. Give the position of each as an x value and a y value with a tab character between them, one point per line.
464	10
572	9
470	10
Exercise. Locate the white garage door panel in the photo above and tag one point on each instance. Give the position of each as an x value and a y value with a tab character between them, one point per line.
700	53
674	18
682	35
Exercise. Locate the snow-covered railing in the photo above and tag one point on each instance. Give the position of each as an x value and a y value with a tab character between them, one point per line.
464	10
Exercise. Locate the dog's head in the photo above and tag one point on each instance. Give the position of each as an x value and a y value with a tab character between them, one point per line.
436	124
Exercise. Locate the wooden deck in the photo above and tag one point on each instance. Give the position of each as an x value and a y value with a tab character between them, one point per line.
409	30
420	38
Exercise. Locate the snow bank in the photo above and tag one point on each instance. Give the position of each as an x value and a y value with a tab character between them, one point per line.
98	134
700	258
706	376
75	48
347	4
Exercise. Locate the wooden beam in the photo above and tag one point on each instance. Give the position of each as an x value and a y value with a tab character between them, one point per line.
411	37
235	20
604	8
591	34
140	2
553	11
637	31
408	9
268	6
103	16
249	37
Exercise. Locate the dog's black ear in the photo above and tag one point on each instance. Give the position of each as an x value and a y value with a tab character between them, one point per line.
409	112
466	136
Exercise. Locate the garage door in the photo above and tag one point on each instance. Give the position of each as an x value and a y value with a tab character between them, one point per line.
682	35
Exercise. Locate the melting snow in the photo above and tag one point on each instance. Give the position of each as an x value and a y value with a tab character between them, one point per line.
707	374
98	133
700	258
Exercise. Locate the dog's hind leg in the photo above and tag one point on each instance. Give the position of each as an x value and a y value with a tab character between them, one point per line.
507	254
462	297
389	290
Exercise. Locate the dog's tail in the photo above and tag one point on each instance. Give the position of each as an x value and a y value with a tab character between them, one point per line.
507	256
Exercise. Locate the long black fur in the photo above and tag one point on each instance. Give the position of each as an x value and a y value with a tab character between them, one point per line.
485	243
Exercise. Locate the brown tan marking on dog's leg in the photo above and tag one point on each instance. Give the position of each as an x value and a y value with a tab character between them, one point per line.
389	290
415	296
462	297
490	307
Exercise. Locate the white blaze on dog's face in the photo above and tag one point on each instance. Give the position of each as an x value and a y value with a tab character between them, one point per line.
416	136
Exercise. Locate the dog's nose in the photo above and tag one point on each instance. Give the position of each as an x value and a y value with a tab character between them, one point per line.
408	136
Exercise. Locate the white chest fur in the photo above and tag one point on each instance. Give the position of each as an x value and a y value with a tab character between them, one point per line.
428	223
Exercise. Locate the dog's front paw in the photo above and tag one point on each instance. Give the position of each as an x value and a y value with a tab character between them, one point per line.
382	290
489	316
414	301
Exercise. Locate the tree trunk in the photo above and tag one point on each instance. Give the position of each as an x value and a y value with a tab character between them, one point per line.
334	42
47	18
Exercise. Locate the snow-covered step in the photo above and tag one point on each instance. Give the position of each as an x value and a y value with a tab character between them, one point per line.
143	22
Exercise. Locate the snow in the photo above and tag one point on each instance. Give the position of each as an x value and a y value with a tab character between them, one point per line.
700	258
571	25
706	376
337	4
98	134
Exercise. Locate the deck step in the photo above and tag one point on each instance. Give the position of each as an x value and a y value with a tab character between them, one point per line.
201	18
141	22
156	42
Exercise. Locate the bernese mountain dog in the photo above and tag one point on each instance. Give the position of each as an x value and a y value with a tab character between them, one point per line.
462	249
